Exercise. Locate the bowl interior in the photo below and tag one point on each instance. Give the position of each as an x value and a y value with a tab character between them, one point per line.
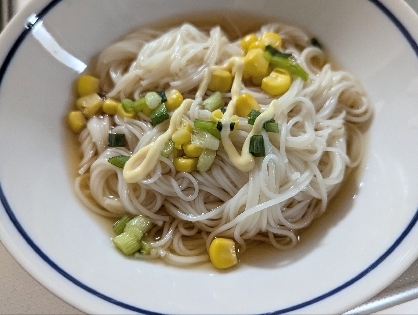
365	241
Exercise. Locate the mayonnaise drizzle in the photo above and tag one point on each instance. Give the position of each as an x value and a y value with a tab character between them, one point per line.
149	154
244	161
136	170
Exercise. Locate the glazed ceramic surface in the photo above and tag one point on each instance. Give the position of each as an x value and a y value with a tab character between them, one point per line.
367	239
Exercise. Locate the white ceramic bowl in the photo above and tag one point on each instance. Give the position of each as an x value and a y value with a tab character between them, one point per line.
347	257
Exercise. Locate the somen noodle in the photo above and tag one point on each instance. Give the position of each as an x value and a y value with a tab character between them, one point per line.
244	195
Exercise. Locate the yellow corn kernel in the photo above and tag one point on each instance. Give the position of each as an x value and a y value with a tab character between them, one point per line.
272	39
277	83
185	164
192	150
77	120
124	114
110	106
222	253
174	100
244	104
257	80
247	41
87	84
90	104
221	81
216	115
255	64
246	76
181	136
185	124
257	44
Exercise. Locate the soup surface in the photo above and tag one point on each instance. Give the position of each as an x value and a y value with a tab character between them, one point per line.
207	141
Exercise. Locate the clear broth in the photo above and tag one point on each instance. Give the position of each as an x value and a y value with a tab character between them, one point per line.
236	25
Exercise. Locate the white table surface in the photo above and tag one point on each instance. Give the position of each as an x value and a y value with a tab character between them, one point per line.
21	294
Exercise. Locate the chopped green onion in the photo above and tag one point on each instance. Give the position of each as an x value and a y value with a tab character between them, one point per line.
145	248
274	52
208	126
286	64
116	140
139	105
119	225
316	43
119	160
219	126
127	105
214	102
205	140
152	99
138	226
205	160
252	116
163	96
271	126
168	148
159	115
257	146
127	243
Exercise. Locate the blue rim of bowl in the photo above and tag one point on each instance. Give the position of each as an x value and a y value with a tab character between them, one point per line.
50	262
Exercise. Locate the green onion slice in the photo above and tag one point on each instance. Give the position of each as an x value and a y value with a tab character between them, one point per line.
120	224
168	148
315	42
274	52
214	102
130	240
286	63
208	126
127	243
219	126
205	160
145	248
163	96
116	140
271	126
139	105
153	99
127	105
257	148
205	140
138	226
252	116
119	160
159	115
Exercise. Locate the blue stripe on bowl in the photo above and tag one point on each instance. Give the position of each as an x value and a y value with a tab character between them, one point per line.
50	262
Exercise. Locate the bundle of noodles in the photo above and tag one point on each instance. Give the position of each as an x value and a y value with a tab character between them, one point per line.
242	197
